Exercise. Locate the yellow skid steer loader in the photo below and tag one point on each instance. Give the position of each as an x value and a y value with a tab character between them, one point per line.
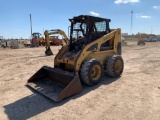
91	49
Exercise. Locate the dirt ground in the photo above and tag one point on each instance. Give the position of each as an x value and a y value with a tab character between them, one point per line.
133	96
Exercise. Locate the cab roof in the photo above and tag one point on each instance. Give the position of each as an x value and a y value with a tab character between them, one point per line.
88	17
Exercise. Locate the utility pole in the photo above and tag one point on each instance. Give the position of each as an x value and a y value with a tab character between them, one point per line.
31	28
131	21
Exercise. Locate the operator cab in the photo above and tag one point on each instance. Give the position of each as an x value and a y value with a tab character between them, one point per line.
85	29
36	35
35	39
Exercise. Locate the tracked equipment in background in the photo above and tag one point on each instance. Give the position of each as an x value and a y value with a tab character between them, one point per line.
47	33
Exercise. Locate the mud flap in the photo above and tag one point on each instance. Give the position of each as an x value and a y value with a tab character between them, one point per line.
54	83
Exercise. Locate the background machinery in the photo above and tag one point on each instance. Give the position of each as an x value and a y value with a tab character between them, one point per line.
92	49
36	40
141	39
47	34
54	40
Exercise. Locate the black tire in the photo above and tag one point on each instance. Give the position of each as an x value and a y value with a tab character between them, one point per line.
91	72
114	66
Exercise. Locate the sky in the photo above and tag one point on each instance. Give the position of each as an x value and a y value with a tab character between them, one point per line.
54	14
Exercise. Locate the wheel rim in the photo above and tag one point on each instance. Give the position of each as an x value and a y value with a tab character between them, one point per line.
96	72
118	66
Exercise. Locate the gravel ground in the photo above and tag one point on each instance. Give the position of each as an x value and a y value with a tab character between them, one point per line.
135	95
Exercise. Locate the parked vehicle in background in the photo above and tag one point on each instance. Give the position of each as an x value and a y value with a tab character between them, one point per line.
4	44
16	44
36	40
141	39
54	40
151	39
27	43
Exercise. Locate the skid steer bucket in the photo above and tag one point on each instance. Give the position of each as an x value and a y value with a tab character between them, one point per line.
54	83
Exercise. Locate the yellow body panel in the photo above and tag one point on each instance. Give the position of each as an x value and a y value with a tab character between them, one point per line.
72	61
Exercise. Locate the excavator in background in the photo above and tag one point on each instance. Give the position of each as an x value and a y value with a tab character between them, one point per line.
47	34
92	49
